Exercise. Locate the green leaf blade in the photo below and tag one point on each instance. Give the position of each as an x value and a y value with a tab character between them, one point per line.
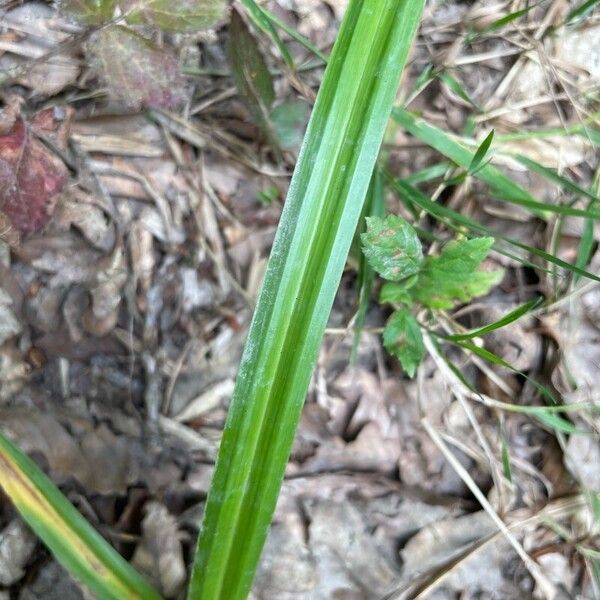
72	540
306	263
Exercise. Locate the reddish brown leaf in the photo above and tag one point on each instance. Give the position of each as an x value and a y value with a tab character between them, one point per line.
136	71
31	177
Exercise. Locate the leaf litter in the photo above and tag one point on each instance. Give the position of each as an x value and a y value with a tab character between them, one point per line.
132	246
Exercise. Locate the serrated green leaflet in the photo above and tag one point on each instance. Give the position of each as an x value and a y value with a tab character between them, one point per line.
72	540
392	247
316	229
453	276
452	217
402	337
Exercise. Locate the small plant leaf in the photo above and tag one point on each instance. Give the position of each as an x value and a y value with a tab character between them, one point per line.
185	16
88	12
252	75
402	337
136	71
392	247
31	178
398	293
452	276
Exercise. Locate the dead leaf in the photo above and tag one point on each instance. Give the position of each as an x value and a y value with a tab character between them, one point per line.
31	177
582	458
17	544
9	324
137	72
159	554
38	31
252	75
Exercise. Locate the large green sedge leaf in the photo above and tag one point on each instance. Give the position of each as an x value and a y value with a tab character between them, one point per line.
504	188
317	226
72	540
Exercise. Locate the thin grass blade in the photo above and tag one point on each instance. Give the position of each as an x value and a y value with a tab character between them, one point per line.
74	542
504	188
317	226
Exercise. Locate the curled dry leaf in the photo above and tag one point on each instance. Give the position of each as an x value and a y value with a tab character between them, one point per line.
9	324
31	177
186	16
17	544
160	554
136	72
37	32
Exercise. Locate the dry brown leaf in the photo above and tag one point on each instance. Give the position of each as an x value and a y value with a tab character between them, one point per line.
159	554
17	544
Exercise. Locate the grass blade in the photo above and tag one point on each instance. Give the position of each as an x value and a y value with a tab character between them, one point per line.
308	256
507	319
581	9
504	187
555	177
72	540
261	19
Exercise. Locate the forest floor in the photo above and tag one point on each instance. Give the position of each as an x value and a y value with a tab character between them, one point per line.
127	288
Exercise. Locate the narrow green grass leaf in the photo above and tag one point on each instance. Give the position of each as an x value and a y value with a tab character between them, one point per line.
72	540
481	153
317	226
261	19
503	186
506	468
506	19
587	243
455	86
436	171
496	360
555	177
507	319
581	10
557	422
302	40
